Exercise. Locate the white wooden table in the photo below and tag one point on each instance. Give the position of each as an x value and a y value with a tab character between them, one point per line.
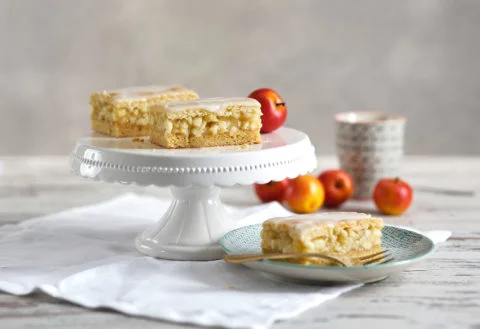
442	292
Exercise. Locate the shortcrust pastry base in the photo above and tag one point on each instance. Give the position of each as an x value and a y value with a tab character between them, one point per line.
221	139
351	259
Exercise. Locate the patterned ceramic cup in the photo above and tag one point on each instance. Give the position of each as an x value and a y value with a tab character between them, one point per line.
369	147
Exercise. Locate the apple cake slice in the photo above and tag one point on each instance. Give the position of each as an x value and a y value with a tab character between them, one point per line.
345	234
125	112
206	123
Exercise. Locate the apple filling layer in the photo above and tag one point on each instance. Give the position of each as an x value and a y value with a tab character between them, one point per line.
346	234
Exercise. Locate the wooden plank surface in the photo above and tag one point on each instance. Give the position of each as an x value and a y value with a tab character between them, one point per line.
442	292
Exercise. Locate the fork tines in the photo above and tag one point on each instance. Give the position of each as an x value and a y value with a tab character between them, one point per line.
382	257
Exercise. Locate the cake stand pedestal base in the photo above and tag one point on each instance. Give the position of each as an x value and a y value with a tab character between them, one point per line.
190	229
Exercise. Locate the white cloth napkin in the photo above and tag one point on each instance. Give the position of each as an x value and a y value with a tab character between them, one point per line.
87	256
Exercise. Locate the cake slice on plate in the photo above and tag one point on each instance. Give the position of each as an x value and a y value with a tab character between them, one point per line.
125	112
206	123
346	234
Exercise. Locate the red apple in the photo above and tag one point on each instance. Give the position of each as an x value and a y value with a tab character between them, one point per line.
274	110
271	191
338	186
392	196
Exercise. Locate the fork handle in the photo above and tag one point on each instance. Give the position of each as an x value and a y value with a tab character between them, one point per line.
244	258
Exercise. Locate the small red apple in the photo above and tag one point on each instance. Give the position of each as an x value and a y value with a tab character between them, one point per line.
274	110
271	191
338	186
392	196
304	194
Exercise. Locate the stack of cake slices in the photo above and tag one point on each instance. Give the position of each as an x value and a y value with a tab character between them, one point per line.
175	117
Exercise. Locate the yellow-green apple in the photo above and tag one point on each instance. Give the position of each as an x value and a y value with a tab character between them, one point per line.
304	194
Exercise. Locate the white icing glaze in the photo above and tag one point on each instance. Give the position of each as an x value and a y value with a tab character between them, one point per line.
217	104
144	92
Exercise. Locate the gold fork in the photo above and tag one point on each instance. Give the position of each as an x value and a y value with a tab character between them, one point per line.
381	257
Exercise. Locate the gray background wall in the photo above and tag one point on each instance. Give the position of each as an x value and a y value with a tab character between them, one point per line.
417	57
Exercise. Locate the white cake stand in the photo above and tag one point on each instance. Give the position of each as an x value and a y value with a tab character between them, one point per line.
196	219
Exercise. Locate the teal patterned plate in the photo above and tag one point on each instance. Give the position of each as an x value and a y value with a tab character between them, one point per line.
407	246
